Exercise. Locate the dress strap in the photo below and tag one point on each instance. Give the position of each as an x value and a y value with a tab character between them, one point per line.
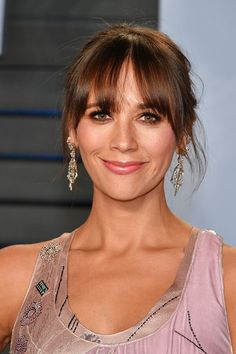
203	299
40	292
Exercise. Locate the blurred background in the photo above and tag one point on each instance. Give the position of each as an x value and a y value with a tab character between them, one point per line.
38	40
206	31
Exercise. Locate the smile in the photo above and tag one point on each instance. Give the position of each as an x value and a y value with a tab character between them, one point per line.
123	168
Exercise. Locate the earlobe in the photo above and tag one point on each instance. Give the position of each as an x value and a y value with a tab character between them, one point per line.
73	137
182	146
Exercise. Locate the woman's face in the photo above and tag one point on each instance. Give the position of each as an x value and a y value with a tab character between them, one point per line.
127	152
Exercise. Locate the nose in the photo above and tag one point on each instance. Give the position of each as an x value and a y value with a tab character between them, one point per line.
123	137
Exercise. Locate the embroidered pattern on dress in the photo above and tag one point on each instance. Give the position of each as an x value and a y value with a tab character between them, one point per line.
91	337
50	250
198	344
73	324
21	345
63	304
58	287
31	312
41	287
151	316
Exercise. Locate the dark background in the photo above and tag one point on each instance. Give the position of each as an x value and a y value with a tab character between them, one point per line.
41	38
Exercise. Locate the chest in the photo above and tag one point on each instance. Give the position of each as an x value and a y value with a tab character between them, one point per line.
112	295
183	327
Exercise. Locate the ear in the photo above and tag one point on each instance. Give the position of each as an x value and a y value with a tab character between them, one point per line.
73	136
182	145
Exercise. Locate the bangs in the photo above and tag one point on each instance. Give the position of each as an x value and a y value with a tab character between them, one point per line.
102	71
162	75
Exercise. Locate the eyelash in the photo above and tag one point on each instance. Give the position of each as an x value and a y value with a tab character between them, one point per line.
96	115
99	114
155	117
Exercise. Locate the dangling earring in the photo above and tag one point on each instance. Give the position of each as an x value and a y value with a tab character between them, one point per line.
177	177
72	168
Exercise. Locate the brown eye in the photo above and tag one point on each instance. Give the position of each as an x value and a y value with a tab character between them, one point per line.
150	118
99	116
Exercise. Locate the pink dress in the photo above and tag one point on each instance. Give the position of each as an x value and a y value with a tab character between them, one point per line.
190	318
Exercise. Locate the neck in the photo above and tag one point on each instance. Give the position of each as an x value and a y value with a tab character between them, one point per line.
127	225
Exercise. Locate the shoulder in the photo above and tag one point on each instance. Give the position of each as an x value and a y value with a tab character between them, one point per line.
229	267
16	262
16	268
229	279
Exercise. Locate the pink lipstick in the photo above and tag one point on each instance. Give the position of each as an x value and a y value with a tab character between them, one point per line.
123	168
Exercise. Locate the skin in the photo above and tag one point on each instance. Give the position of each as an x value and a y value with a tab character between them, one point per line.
130	238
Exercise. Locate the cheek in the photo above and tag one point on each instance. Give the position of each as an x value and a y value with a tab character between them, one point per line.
163	144
159	143
88	139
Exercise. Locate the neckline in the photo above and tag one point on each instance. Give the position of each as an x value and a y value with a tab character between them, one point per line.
177	287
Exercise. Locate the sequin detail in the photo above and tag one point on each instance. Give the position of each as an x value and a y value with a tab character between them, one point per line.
50	250
21	345
91	337
31	312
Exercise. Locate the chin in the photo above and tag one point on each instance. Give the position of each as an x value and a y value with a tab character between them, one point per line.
125	196
126	193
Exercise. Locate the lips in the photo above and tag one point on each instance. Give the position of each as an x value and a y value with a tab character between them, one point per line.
124	164
122	168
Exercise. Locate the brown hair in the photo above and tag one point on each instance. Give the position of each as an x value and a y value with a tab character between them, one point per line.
162	73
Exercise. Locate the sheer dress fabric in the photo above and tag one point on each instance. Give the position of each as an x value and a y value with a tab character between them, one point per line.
189	318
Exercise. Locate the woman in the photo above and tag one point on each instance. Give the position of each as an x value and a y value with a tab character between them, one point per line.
133	278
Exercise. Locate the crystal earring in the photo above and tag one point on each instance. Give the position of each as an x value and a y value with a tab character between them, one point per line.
177	177
72	168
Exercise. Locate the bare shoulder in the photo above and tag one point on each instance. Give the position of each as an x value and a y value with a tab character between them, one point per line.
229	265
229	276
16	267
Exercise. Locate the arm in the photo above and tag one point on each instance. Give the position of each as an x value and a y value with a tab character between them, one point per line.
229	275
16	267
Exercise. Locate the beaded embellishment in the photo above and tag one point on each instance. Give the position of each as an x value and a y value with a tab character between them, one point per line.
150	317
31	312
91	337
21	345
197	344
50	250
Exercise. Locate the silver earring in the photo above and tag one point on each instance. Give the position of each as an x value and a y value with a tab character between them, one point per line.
177	177
178	174
72	168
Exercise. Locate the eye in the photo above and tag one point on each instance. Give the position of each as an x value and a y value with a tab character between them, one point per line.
150	117
100	116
